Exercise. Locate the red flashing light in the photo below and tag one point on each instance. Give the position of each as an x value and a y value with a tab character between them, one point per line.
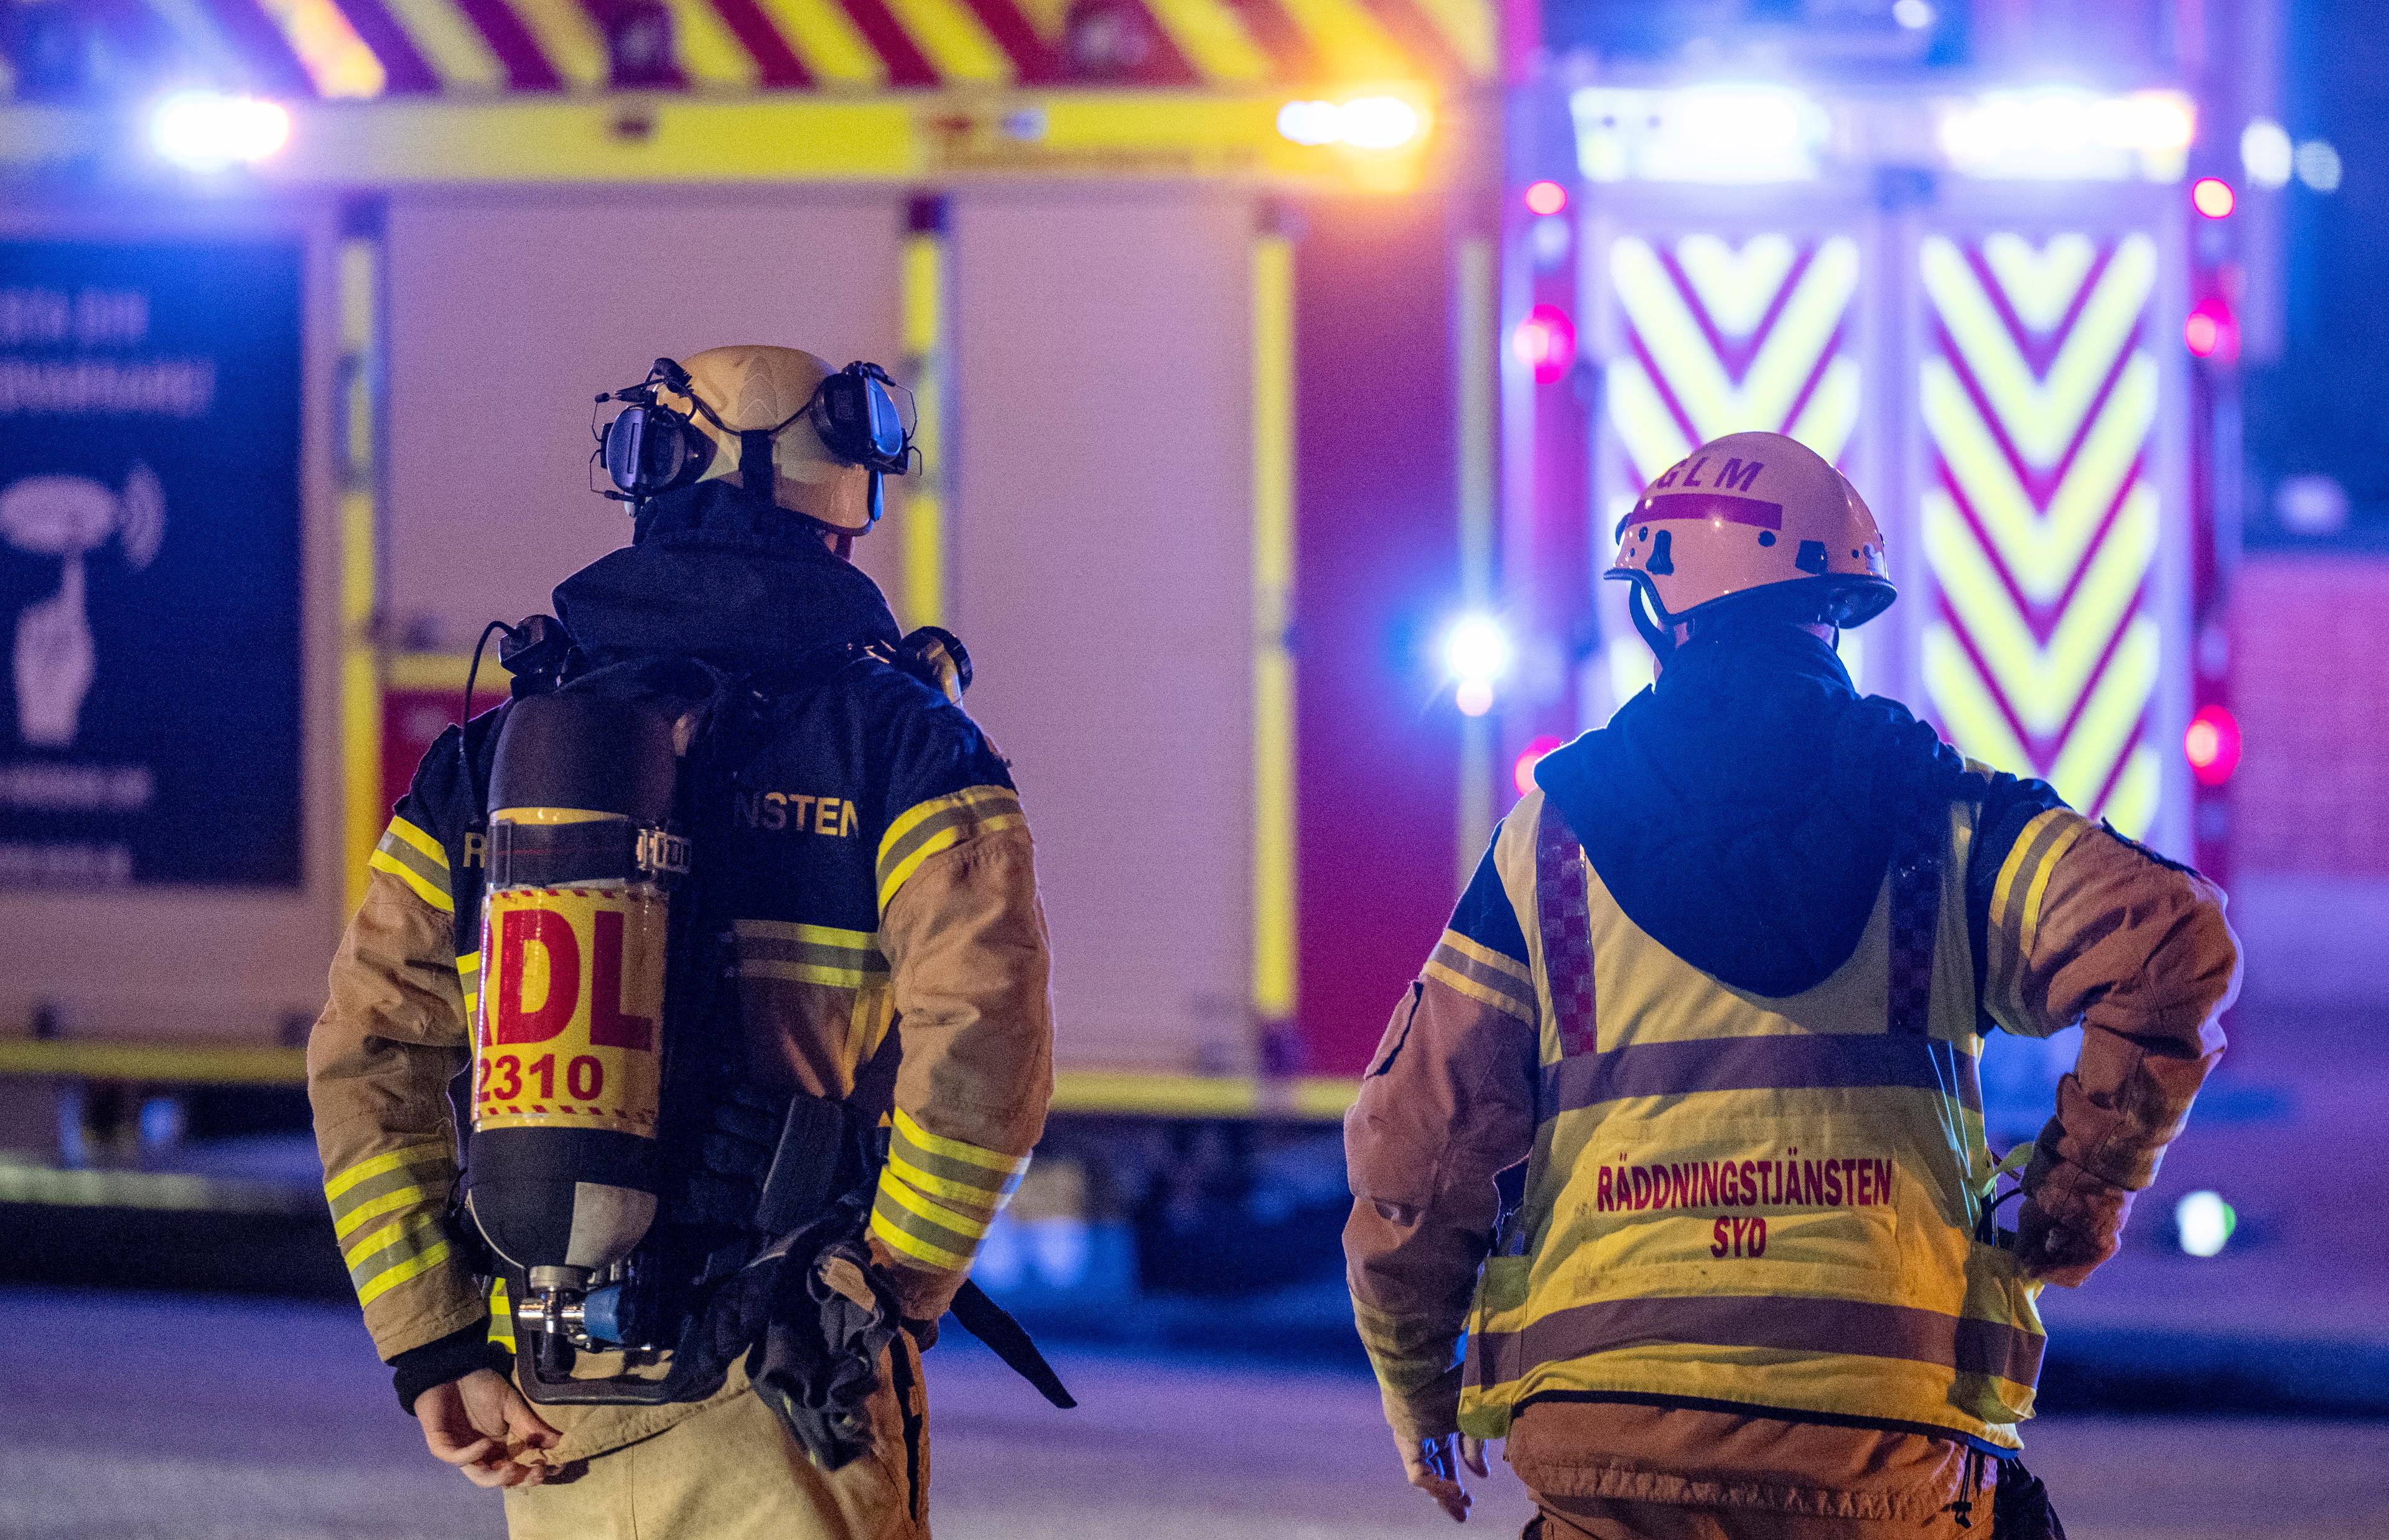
2212	331
2212	745
1522	773
2213	197
1546	198
1545	342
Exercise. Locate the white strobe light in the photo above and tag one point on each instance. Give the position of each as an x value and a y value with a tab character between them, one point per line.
2203	1222
204	131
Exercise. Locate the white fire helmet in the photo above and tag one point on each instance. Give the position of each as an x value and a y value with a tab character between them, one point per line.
1747	514
756	387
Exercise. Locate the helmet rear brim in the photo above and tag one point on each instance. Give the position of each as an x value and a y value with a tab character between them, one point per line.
1844	600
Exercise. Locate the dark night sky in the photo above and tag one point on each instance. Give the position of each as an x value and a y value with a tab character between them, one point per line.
2325	405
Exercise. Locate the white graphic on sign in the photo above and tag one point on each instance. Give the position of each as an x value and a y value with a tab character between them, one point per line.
70	518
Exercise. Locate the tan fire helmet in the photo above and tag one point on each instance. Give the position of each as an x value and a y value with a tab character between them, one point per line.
754	386
1745	514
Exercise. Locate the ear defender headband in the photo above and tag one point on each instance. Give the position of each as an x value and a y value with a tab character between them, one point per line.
650	449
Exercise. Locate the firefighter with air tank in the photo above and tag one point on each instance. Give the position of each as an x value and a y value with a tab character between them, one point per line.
1680	1125
731	913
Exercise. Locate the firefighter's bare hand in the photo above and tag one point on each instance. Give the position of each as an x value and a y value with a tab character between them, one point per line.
479	1424
1446	1489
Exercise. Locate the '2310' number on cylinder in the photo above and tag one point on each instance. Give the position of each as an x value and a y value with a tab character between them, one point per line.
503	1076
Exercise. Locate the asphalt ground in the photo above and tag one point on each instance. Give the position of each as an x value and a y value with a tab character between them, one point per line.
161	1417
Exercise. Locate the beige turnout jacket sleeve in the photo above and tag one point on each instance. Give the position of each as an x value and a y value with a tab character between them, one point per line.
2087	927
964	937
392	1033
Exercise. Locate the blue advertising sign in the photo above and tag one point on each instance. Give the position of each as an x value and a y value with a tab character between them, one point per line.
149	547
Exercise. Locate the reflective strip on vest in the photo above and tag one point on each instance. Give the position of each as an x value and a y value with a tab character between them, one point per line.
1772	1202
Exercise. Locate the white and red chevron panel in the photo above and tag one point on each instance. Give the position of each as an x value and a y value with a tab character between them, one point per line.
1713	336
2039	517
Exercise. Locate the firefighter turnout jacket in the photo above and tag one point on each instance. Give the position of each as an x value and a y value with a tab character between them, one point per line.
1682	1112
877	888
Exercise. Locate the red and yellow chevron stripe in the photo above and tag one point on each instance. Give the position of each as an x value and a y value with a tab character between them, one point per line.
368	48
1718	337
2038	396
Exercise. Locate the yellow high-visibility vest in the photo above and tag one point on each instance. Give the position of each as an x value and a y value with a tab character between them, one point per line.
1769	1202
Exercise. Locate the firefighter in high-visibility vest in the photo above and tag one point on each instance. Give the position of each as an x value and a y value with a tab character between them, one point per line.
862	877
1680	1125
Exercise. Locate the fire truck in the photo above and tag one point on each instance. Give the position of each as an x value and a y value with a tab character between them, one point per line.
1283	368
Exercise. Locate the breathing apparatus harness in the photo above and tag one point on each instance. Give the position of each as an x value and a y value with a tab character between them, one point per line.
649	449
645	1198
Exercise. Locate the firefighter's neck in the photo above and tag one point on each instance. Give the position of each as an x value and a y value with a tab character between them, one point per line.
1829	635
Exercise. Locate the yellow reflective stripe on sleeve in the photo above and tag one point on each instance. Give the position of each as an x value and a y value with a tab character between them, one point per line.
919	813
995	1160
423	843
941	823
920	1229
416	860
1482	994
403	1249
2021	860
468	975
421	1152
919	1250
2030	928
809	954
2014	918
1483	975
1484	956
976	1199
389	1202
383	861
383	1284
383	1237
966	1227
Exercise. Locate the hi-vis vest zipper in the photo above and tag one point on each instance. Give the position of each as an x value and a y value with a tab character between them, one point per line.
1772	1203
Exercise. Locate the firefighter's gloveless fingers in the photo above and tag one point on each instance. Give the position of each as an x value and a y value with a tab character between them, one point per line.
447	1429
1449	1492
516	1421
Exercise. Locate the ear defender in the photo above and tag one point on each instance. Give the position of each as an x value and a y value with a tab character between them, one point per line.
648	447
652	449
856	414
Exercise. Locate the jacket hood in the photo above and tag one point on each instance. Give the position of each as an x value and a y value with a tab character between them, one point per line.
1741	810
715	574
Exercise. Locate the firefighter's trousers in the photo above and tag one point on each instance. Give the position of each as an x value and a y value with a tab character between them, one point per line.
732	1472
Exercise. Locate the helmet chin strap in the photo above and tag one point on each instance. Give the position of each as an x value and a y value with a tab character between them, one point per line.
1662	638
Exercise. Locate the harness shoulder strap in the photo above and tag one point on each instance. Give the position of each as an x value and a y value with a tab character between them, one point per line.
1918	841
1564	915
